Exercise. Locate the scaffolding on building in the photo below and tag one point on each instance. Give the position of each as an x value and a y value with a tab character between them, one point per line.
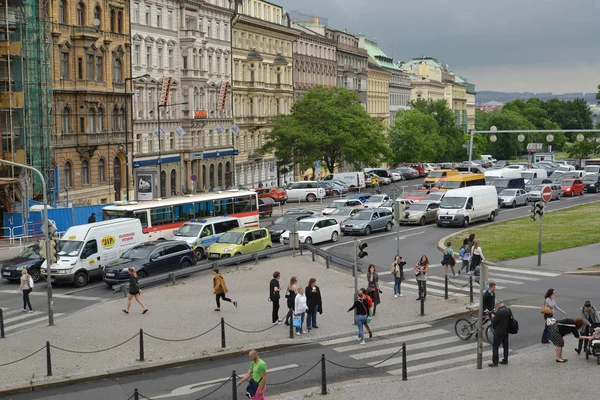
25	95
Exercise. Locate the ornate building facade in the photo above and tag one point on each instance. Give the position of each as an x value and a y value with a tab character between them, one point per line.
90	46
378	94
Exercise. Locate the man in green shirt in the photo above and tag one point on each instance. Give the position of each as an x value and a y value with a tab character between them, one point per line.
257	375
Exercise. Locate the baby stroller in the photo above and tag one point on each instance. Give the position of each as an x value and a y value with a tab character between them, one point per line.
593	348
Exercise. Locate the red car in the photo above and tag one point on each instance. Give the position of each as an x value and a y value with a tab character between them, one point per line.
571	187
278	195
417	195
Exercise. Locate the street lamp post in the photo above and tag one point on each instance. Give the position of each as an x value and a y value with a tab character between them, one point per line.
158	185
127	154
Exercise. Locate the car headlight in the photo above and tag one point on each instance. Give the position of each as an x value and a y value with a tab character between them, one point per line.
227	249
459	213
125	270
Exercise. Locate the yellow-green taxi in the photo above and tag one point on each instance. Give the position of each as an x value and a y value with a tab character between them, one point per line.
240	241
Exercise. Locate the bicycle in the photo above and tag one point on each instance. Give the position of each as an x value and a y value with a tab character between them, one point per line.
465	328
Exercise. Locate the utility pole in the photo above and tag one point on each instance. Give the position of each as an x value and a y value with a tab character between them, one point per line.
482	282
537	212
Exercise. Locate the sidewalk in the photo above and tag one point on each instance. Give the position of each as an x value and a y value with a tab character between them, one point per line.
531	374
185	310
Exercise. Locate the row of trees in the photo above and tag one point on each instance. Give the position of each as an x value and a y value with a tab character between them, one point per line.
331	125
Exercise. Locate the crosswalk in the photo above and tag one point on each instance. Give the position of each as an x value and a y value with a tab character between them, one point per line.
427	349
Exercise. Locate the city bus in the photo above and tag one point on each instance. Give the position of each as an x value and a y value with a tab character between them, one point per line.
459	181
161	218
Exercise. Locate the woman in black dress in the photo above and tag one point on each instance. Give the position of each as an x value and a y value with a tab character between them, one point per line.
292	291
373	287
562	328
134	291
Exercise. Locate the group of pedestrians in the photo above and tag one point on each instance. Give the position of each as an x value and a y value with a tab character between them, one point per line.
470	255
302	303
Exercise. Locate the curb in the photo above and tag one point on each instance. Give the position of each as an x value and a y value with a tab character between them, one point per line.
584	273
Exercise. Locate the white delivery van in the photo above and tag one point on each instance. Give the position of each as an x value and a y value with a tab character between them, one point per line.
489	158
353	180
534	173
84	250
201	233
466	205
504	173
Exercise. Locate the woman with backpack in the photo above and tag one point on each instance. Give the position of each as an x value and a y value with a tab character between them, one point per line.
362	312
26	287
465	256
448	259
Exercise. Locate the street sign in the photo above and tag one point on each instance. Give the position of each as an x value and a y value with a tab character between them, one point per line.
235	128
194	178
318	165
219	128
547	193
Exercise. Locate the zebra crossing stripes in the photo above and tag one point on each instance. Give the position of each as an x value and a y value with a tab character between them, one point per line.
414	346
524	272
16	319
380	333
400	339
421	356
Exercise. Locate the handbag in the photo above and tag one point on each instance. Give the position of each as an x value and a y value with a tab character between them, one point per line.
297	322
369	318
546	309
513	325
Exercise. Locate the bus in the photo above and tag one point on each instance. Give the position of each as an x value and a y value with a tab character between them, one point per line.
459	181
161	218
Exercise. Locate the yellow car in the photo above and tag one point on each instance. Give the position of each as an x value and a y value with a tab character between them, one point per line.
240	241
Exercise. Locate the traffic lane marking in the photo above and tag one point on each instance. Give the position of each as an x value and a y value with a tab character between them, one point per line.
195	387
520	306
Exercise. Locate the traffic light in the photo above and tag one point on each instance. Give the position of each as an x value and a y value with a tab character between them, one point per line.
397	211
361	250
539	208
53	257
42	245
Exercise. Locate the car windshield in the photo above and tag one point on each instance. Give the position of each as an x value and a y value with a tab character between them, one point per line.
508	192
68	248
449	184
283	220
567	182
501	183
453	202
362	216
188	230
592	169
376	199
527	175
337	204
417	207
340	211
538	188
305	226
138	253
571	175
435	174
231	237
32	252
434	196
417	193
388	203
590	178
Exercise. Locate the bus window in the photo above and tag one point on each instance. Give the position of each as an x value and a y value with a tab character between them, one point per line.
178	213
203	209
476	182
188	212
161	216
143	217
219	207
112	214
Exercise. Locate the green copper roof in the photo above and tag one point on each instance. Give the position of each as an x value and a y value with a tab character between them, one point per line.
429	61
378	57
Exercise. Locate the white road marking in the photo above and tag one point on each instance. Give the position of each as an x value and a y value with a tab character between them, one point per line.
422	356
58	296
411	234
415	288
376	236
8	321
30	322
460	283
522	278
531	307
525	272
392	340
381	333
415	346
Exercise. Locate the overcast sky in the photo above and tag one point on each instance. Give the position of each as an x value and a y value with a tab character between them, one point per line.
509	45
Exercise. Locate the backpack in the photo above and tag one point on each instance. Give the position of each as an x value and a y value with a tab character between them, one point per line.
461	253
513	325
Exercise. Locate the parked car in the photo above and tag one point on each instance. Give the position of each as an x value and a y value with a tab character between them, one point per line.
383	173
201	233
304	190
300	211
434	196
265	207
341	203
343	213
315	230
389	203
29	259
513	198
575	174
366	221
416	166
536	193
360	196
329	192
240	241
376	201
572	186
592	183
396	176
282	224
408	172
536	182
381	179
420	213
339	188
417	195
150	258
278	195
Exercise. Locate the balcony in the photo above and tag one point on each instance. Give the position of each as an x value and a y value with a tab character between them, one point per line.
254	154
85	32
88	139
190	35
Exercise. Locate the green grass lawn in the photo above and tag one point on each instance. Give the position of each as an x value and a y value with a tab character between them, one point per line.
563	229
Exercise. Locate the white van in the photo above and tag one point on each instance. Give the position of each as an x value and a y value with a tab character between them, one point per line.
534	173
84	250
504	173
353	180
465	205
201	233
488	158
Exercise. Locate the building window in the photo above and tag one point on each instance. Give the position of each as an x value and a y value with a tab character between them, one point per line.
163	184
251	107
91	120
97	15
115	119
170	59
220	174
225	32
112	20
68	172
82	124
101	171
218	30
117	70
98	68
85	172
277	107
149	57
173	182
136	13
160	57
89	58
79	68
62	11
209	29
80	14
159	18
184	63
210	66
65	119
120	21
170	19
136	55
100	120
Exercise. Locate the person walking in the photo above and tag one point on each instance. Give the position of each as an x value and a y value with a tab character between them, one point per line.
274	295
25	288
220	289
314	302
465	256
300	309
291	296
476	256
369	308
549	301
361	307
558	329
500	322
134	291
489	298
92	218
471	243
590	317
398	273
373	287
256	377
448	259
421	270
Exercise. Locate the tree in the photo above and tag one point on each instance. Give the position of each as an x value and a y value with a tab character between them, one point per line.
506	144
585	148
415	137
598	95
328	125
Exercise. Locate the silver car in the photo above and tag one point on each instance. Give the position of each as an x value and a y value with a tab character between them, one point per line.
421	212
513	198
343	213
366	221
536	193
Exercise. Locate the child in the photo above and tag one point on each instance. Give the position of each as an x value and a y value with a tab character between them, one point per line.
594	339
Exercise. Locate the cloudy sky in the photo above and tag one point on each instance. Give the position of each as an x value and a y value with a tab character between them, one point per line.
509	45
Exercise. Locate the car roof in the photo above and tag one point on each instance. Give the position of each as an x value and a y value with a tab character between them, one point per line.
210	219
157	243
290	212
244	230
316	219
426	202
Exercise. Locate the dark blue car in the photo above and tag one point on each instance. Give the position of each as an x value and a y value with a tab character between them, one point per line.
29	258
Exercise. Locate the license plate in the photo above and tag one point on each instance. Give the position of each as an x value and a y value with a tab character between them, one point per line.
214	255
6	273
445	222
110	275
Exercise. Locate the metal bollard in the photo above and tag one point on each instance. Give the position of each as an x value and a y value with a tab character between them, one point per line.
2	324
256	258
323	375
327	260
313	254
48	360
141	345
471	289
291	324
422	306
223	333
172	277
301	247
136	394
404	370
234	385
446	287
124	290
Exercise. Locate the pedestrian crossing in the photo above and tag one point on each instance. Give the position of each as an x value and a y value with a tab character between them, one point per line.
427	349
17	319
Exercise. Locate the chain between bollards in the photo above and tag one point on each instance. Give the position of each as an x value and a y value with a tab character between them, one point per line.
234	385
1	324
471	289
48	360
404	367
223	333
141	345
323	375
446	287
